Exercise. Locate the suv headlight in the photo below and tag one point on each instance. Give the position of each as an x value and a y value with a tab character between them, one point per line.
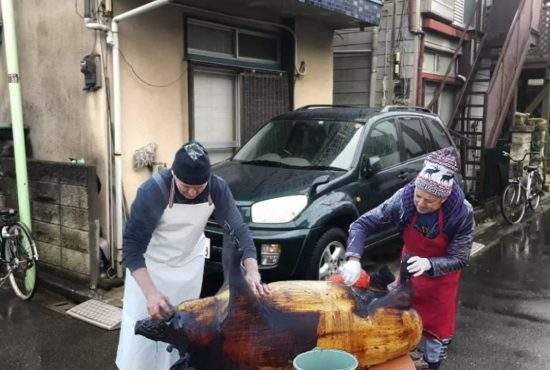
278	210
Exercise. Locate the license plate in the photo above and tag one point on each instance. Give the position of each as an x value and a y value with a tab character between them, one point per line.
207	248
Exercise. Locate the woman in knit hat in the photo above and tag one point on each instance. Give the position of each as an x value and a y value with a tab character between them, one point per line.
164	249
437	226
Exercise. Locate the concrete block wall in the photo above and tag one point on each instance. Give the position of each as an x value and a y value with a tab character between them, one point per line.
64	207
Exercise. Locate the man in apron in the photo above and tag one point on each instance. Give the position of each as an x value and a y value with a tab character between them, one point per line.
437	226
164	249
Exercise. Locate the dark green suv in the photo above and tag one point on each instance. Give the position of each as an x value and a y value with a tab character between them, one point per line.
306	175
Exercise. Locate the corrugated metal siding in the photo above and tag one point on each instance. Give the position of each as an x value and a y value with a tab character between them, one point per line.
351	78
352	71
352	39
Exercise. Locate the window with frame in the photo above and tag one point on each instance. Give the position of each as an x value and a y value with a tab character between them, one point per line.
439	136
215	111
437	62
383	142
414	142
234	45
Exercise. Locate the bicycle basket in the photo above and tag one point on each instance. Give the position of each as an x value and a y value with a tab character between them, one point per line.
516	169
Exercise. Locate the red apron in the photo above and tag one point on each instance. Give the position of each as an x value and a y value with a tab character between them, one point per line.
434	298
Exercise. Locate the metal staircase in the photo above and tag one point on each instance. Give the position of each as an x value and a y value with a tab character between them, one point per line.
485	98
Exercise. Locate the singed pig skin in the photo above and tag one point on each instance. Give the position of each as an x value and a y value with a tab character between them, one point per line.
243	332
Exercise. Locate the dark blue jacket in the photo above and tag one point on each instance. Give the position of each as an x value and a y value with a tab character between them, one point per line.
458	218
151	202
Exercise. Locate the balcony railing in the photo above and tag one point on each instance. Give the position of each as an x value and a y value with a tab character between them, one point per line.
541	52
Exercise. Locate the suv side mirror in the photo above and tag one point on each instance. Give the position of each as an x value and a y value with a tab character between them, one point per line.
370	166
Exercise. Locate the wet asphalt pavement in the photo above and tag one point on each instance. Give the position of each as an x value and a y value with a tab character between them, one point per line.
503	317
35	337
504	303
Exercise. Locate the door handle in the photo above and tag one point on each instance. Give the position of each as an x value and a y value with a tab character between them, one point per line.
403	175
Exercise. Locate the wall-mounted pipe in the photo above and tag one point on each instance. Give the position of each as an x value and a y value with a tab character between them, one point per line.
117	121
297	65
420	79
97	26
373	61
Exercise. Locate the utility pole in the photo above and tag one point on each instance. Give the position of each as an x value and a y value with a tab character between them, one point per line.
18	133
16	110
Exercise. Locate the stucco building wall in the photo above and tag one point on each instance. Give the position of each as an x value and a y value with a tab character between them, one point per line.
64	121
315	49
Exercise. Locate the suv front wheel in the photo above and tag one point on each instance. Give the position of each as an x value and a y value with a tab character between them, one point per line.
327	255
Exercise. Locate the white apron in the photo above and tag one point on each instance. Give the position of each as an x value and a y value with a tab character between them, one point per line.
175	261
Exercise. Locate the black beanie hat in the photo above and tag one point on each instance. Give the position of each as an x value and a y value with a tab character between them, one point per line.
191	164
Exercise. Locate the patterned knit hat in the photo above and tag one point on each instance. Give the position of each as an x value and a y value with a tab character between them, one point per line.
437	175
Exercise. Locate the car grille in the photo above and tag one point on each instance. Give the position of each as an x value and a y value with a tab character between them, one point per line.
216	246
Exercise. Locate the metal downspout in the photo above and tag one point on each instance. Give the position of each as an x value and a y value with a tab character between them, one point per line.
373	60
117	112
16	110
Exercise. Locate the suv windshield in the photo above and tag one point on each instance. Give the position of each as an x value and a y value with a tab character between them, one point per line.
305	144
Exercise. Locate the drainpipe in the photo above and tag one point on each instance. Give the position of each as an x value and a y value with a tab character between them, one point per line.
372	83
117	112
389	75
415	28
419	79
16	110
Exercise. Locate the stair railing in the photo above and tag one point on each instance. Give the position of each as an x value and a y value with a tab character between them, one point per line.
508	68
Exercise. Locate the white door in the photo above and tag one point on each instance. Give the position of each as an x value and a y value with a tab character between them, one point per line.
215	112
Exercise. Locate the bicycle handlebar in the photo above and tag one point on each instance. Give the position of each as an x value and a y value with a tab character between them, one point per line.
506	154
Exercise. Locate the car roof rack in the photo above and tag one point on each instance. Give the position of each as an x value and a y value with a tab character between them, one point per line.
313	106
393	108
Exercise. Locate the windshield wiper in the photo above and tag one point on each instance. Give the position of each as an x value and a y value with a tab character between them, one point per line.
264	162
320	167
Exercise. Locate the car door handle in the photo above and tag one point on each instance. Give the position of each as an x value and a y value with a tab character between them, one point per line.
403	175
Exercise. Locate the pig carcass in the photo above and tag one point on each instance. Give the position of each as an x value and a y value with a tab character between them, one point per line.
236	330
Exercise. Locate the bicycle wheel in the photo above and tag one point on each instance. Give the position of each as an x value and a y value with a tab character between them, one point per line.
513	208
21	251
536	191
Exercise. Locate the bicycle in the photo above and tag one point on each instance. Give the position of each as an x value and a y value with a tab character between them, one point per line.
18	255
522	188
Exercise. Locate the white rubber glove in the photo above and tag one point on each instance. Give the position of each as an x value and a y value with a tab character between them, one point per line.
351	271
418	265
